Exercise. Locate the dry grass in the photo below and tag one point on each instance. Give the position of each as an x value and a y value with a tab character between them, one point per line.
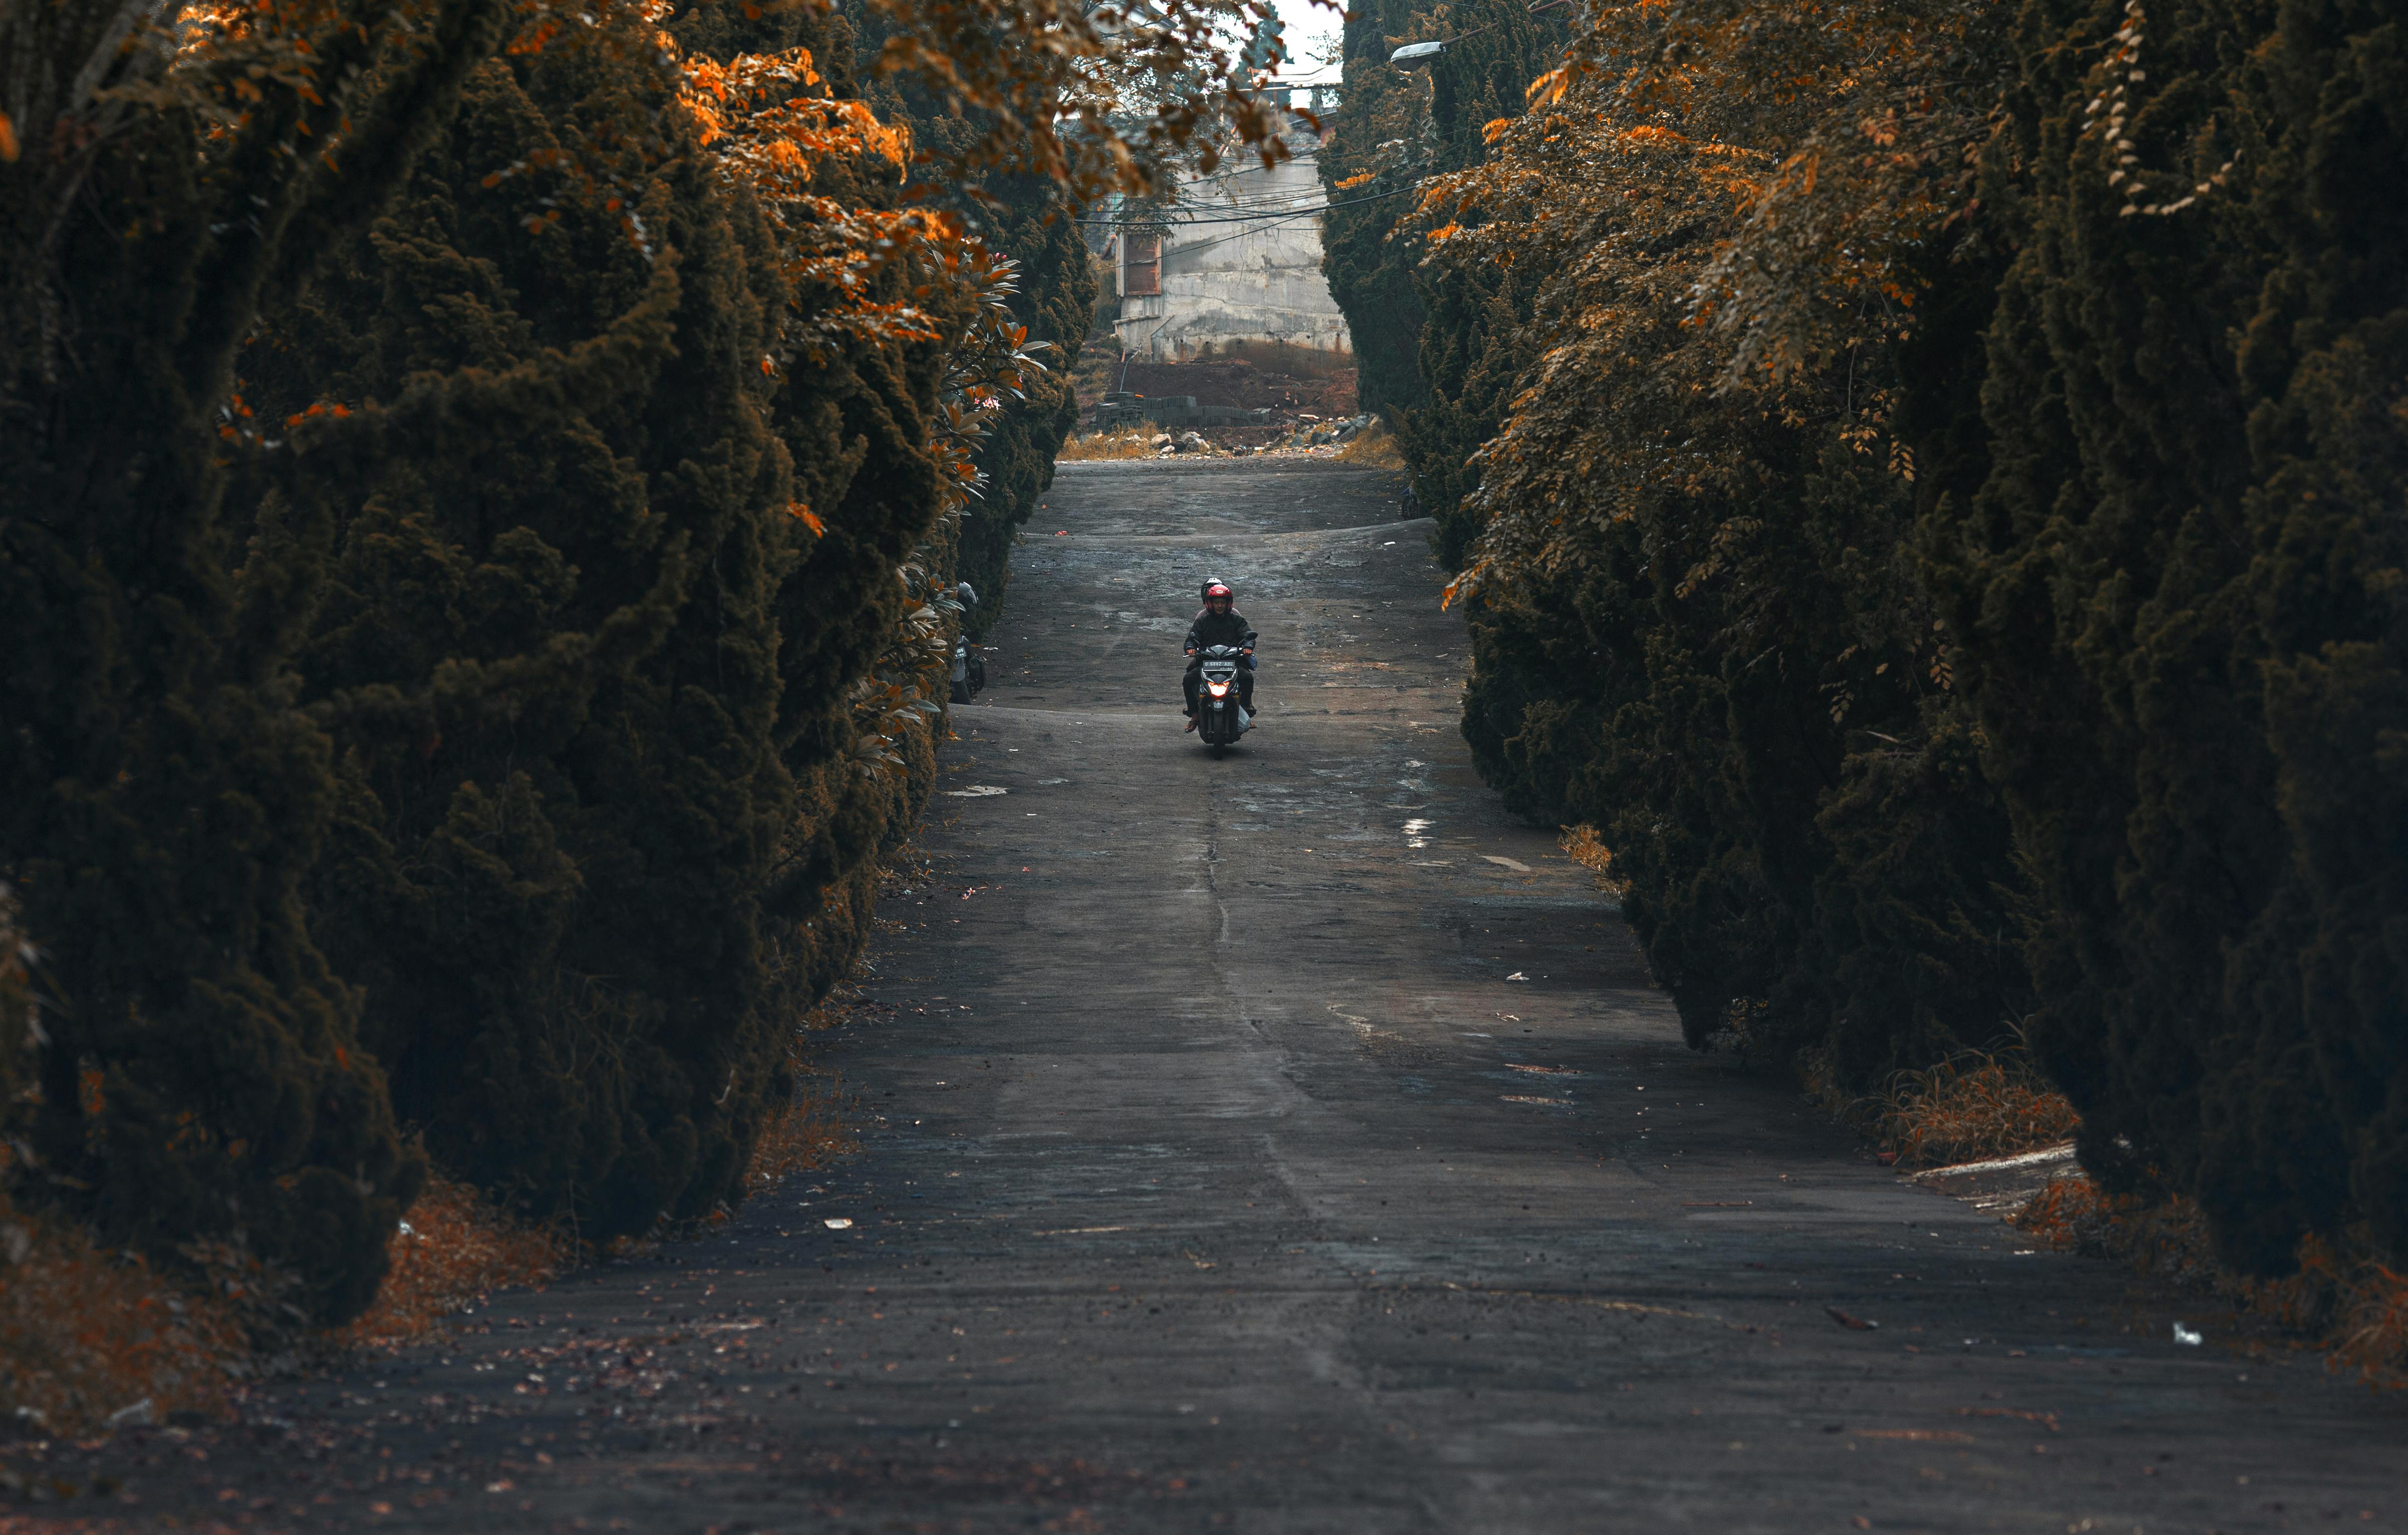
1121	442
1969	1106
455	1248
1580	842
2351	1303
810	1135
86	1332
1972	1106
1375	448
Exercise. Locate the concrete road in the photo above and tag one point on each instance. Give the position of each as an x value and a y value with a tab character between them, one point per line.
1293	1142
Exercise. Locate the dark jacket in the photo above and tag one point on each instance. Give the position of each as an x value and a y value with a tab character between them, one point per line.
1211	628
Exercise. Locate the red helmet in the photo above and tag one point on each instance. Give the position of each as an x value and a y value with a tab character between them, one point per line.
1216	589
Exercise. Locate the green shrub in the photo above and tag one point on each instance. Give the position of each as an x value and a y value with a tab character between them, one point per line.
162	797
605	827
1961	583
1439	347
2175	589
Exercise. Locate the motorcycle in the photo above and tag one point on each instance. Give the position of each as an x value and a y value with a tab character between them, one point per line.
1219	717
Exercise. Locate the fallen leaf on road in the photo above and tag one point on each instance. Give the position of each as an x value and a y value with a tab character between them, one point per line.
976	791
2047	1420
1633	1307
837	1223
1854	1324
1517	976
1937	1436
1514	864
2185	1335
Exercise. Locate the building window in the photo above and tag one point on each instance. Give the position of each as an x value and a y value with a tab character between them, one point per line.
1141	265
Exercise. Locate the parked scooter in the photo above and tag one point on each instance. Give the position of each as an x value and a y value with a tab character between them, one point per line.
1221	718
970	670
969	660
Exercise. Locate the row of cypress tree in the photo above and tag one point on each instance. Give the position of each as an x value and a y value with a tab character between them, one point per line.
452	703
2015	645
1438	349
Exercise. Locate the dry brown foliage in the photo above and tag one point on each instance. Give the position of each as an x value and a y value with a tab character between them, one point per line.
809	1134
1974	1105
2352	1304
86	1332
1373	447
455	1248
1969	1106
1121	442
1590	852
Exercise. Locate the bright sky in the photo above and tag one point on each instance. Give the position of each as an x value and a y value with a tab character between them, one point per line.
1311	30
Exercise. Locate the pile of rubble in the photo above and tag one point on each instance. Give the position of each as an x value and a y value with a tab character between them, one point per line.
1164	443
1307	433
1310	433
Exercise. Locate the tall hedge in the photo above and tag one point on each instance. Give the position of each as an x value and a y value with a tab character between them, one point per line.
1056	302
1720	659
473	567
162	799
590	677
1440	350
1955	563
2176	589
1033	223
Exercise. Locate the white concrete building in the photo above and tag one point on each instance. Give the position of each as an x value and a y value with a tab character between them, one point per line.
1241	261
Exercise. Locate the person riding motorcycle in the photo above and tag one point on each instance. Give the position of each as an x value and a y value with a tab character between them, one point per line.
1219	623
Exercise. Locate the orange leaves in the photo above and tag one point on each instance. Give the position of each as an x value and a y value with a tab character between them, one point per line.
756	116
804	515
333	411
1549	88
1359	179
534	38
455	1247
85	1332
1649	136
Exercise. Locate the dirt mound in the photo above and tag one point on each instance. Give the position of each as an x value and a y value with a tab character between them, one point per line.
1235	381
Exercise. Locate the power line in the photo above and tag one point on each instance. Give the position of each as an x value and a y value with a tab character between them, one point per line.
1247	217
